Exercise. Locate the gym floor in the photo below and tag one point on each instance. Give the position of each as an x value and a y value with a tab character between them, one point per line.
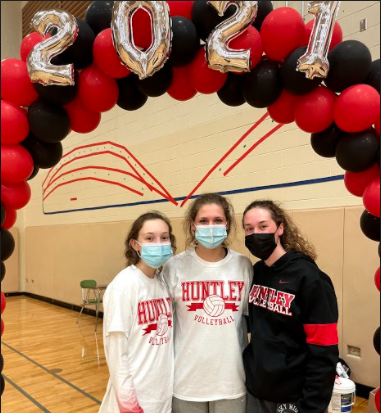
53	366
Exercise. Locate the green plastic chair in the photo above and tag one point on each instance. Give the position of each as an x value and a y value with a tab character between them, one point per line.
89	298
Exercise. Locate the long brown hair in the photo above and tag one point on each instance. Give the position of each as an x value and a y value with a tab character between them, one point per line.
292	238
130	254
207	199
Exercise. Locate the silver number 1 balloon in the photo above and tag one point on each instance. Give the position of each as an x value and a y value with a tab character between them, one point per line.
143	63
219	55
315	62
39	60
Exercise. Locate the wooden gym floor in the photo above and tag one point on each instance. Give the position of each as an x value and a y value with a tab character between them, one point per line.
51	365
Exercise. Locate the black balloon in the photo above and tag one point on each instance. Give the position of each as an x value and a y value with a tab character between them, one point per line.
45	155
370	226
374	78
206	18
35	172
357	152
325	143
130	97
2	363
158	84
263	85
99	15
264	9
81	53
3	271
231	94
3	214
49	123
60	95
185	43
7	244
376	340
296	82
350	64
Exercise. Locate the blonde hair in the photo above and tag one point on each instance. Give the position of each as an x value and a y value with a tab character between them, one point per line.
194	208
292	238
131	255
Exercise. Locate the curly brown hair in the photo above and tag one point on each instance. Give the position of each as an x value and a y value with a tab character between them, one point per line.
194	208
130	254
292	238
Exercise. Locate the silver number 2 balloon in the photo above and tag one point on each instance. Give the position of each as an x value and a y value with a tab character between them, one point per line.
315	62
143	63
39	60
219	55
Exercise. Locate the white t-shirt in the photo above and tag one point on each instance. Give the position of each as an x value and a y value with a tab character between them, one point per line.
210	331
138	324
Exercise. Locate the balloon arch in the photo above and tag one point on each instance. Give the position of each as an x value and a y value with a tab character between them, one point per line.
124	52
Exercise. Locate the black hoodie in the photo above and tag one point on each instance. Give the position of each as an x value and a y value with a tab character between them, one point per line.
293	352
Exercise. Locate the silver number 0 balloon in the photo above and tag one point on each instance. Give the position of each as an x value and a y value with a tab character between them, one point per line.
143	63
39	60
315	62
219	55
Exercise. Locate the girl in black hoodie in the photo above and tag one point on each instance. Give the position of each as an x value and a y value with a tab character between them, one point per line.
291	361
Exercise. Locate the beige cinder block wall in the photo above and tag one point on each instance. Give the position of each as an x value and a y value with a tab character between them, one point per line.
178	144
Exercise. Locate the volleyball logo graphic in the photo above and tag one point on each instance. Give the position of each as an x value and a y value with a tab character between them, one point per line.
162	325
214	306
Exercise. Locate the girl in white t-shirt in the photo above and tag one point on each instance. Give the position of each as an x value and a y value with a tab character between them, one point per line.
138	323
210	287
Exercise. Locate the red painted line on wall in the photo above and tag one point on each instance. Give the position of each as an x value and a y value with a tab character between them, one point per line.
74	199
93	179
234	147
139	177
247	153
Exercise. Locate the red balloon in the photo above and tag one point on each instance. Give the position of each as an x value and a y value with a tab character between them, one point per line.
357	108
82	120
14	123
106	58
180	88
10	219
314	112
372	197
282	32
181	8
15	196
378	400
142	29
29	43
97	91
377	279
3	303
16	164
203	79
377	125
249	40
337	37
16	86
356	183
283	110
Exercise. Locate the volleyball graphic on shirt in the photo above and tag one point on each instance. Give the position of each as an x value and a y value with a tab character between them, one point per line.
162	325
214	306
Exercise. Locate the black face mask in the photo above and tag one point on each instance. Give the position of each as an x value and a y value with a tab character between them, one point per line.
261	246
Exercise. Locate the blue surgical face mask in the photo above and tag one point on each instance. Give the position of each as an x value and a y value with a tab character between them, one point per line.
156	255
211	236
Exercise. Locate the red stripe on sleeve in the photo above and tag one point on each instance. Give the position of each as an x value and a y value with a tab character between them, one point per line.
322	334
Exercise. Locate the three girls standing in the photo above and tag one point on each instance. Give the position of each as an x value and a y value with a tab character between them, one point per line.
291	360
